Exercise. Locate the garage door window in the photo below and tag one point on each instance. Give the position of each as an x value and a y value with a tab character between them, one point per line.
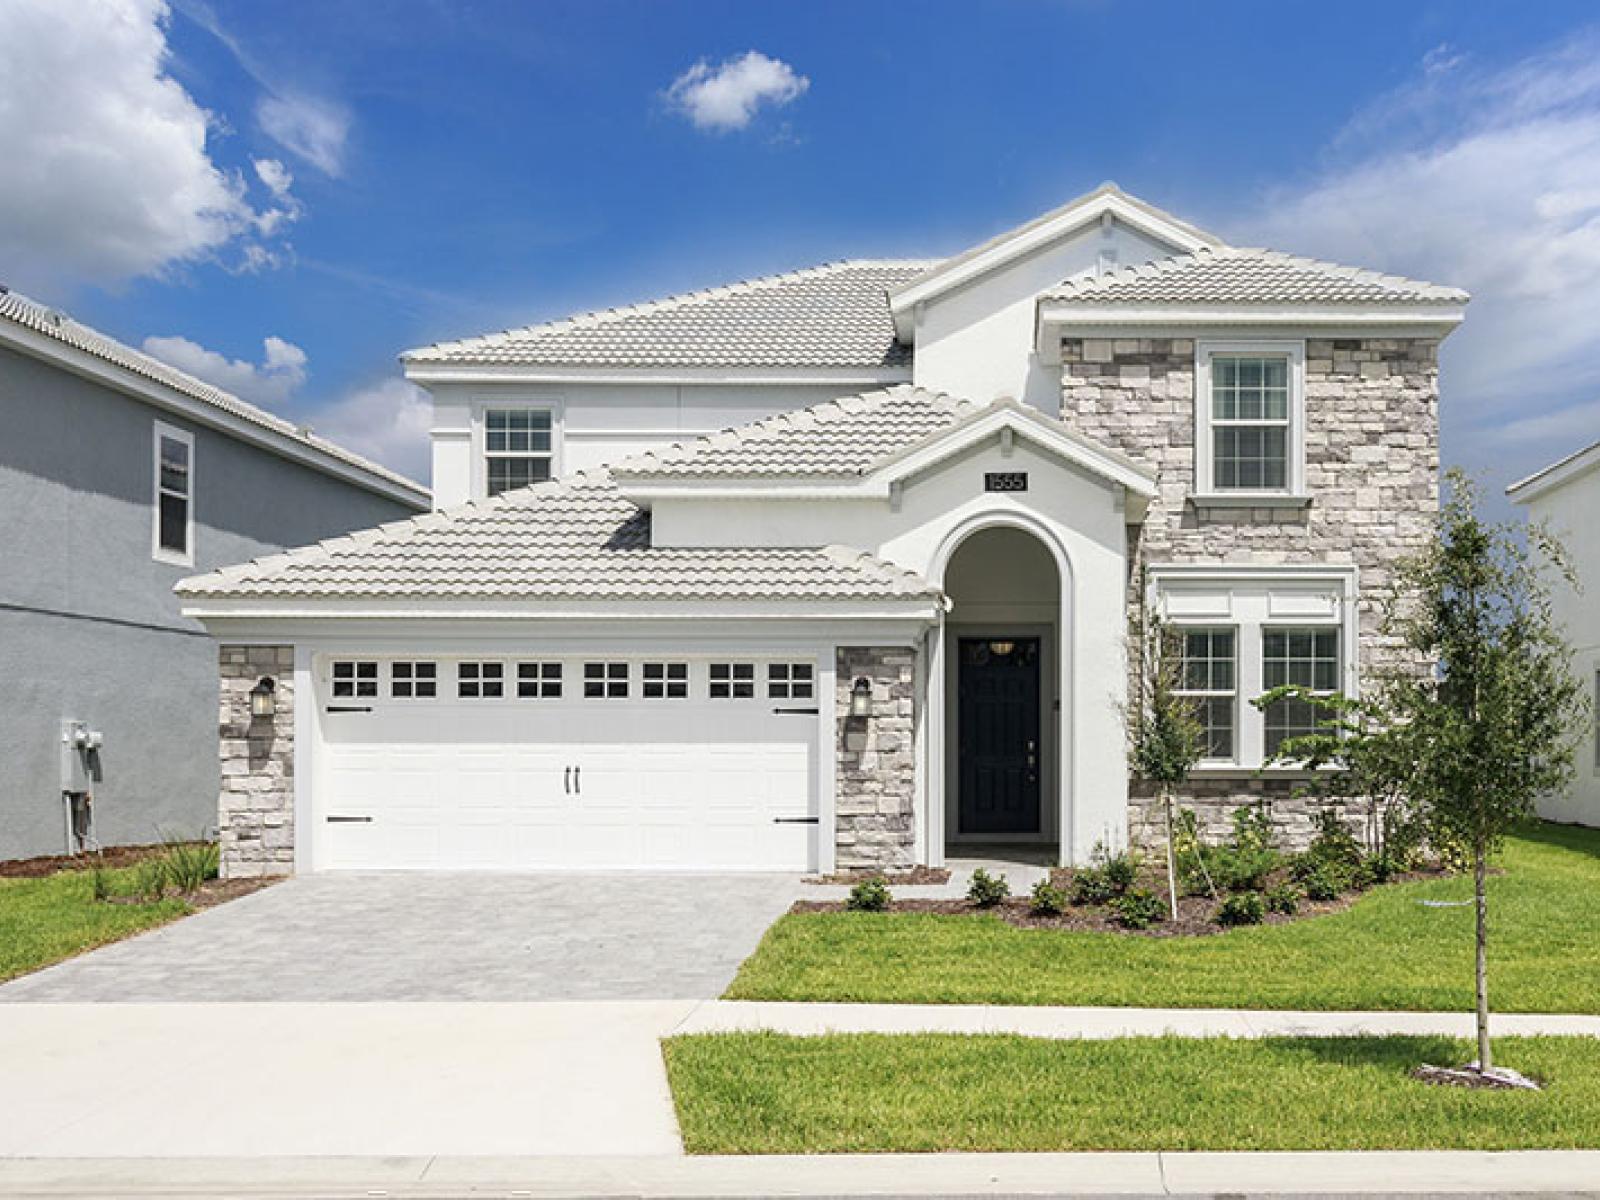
480	680
539	681
790	681
665	681
414	680
605	680
733	681
355	679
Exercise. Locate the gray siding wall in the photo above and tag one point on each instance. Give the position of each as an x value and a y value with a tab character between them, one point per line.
89	627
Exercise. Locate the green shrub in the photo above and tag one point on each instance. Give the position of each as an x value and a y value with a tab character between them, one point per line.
870	895
1139	908
1237	869
1048	900
1252	829
1333	843
1283	898
1323	883
987	890
149	880
1241	908
1106	877
190	864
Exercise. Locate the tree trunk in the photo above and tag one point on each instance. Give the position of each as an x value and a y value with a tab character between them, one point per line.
1480	873
1172	853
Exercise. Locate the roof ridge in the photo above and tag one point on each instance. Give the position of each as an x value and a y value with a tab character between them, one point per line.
24	311
601	316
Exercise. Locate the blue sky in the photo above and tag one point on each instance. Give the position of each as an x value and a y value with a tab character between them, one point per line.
352	179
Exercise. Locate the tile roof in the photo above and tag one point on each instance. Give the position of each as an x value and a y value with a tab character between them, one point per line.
836	439
1230	275
835	315
39	318
574	539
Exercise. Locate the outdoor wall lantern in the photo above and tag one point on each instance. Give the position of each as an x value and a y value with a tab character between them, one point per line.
264	698
861	698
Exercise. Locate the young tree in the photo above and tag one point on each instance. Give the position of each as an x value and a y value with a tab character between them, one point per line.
1493	727
1165	739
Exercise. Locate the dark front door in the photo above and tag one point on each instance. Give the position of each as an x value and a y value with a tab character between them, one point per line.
998	729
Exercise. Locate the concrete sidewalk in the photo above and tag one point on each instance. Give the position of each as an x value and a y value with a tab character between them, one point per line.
1567	1173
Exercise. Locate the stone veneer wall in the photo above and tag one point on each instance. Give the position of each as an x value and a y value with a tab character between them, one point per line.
1372	469
255	811
874	821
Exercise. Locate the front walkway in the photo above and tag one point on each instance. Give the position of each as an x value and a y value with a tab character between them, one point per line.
463	1079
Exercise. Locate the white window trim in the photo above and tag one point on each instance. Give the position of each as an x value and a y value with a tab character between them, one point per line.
1234	695
157	551
1205	489
1243	597
483	405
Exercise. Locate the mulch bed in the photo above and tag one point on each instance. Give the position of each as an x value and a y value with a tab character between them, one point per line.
209	894
112	857
912	876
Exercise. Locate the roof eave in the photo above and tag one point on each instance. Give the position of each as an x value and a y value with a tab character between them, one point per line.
447	372
1557	475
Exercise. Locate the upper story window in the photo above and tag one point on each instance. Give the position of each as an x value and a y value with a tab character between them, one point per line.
516	448
1250	419
173	500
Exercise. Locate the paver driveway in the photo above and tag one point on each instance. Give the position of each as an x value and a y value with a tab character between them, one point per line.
416	936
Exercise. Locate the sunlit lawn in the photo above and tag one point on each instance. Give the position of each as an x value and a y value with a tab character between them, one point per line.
45	920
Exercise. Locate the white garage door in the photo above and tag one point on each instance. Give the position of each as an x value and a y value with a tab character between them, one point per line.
566	762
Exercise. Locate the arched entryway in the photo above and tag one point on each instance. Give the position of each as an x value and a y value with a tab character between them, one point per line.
1002	672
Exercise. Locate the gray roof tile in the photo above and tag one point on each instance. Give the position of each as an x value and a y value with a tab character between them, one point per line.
1230	275
835	315
574	539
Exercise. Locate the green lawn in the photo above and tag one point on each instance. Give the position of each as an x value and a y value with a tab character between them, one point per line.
46	920
1385	952
766	1093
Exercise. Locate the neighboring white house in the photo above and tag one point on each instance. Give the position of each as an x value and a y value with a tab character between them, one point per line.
1565	497
833	568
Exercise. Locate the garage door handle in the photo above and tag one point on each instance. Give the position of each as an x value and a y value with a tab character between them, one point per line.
349	820
794	820
807	712
577	780
566	781
349	708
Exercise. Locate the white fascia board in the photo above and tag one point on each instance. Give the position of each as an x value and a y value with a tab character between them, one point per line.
1056	320
1346	574
1030	237
430	373
674	612
1556	475
110	375
775	488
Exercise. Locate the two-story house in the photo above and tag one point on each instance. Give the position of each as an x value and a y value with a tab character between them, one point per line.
881	614
1565	498
119	476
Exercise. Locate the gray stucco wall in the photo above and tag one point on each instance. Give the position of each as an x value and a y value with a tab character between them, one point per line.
89	627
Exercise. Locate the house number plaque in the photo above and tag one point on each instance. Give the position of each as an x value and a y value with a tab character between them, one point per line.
1005	481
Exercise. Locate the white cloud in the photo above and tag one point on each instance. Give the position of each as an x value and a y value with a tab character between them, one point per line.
108	173
312	128
270	382
387	422
726	96
1488	180
275	175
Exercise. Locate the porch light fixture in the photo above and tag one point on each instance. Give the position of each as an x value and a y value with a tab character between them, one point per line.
861	698
1002	649
264	698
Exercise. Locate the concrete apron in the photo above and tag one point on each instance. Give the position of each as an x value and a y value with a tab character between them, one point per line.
1569	1173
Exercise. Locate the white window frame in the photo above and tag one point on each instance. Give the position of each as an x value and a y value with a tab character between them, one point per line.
1252	599
1213	627
791	680
484	405
1293	627
161	553
1206	490
735	681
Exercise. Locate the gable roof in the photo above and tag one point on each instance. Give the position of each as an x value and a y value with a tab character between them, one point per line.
836	315
37	329
573	539
883	433
1107	200
1557	474
1231	275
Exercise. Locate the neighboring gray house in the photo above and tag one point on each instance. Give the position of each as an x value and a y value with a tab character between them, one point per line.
118	476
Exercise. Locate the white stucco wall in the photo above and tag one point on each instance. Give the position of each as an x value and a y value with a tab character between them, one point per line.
977	341
1570	512
598	423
